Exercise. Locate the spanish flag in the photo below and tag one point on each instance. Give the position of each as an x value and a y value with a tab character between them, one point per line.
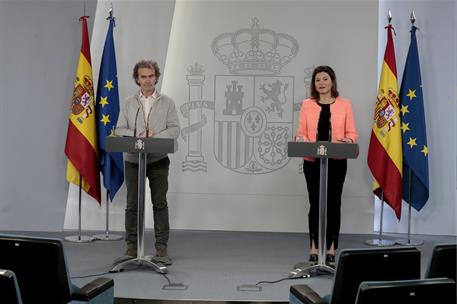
81	147
385	149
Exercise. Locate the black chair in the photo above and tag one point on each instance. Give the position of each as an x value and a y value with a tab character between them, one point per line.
9	290
426	291
42	275
443	262
357	265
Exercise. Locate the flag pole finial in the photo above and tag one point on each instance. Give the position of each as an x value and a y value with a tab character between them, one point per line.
412	18
110	12
389	16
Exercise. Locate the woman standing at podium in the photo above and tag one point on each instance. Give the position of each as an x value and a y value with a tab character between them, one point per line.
325	116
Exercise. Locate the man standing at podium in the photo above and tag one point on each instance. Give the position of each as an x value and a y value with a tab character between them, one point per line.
148	114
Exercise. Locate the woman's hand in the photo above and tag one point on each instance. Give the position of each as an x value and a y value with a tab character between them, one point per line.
301	139
345	140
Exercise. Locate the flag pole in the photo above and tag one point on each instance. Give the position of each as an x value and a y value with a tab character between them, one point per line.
72	149
408	241
107	236
79	238
380	241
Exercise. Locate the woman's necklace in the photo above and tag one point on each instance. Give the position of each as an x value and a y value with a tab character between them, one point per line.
328	101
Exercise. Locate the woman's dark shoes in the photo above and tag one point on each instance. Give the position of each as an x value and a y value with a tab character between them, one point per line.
330	260
313	258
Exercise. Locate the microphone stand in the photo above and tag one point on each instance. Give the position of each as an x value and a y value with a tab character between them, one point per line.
136	118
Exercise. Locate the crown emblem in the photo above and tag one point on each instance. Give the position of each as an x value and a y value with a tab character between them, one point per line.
196	69
255	50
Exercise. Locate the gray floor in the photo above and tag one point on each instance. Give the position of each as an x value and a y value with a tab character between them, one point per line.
213	265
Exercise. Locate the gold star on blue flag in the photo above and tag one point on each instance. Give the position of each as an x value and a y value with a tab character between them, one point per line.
414	137
111	163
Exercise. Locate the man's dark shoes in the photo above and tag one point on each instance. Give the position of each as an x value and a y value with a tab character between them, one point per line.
313	258
162	257
131	251
330	260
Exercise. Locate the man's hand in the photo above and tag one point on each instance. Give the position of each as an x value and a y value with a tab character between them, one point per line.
144	134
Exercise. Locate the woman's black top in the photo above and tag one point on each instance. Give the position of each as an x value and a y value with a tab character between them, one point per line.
324	126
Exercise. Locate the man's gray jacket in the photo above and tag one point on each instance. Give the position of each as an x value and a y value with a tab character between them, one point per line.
163	121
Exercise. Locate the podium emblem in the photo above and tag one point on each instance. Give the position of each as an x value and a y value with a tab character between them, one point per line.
322	150
139	145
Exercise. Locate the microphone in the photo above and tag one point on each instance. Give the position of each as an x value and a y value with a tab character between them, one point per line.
330	126
136	118
147	121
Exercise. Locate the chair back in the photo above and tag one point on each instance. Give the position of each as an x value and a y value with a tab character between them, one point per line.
426	291
40	268
9	289
372	264
443	262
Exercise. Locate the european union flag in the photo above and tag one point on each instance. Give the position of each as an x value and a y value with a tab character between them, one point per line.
112	164
414	137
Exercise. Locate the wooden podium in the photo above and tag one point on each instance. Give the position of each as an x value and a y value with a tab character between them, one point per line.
142	146
323	150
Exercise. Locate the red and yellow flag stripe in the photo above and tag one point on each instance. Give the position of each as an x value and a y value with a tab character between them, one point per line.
81	146
385	149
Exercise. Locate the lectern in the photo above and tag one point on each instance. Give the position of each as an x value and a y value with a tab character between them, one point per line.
323	150
142	146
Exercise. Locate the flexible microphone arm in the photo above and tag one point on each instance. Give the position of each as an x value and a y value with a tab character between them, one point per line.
330	127
147	121
136	118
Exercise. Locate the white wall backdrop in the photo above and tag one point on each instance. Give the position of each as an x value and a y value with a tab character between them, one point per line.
274	200
40	43
245	191
38	56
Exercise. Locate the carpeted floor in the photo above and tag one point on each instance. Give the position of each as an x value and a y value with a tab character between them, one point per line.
213	266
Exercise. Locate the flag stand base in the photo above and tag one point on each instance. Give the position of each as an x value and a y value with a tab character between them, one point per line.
107	237
380	242
409	242
79	239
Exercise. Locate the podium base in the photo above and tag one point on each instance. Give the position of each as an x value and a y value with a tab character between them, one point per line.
79	239
121	263
308	270
409	242
107	237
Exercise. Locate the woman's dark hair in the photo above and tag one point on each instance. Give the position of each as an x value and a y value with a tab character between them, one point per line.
146	64
331	73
